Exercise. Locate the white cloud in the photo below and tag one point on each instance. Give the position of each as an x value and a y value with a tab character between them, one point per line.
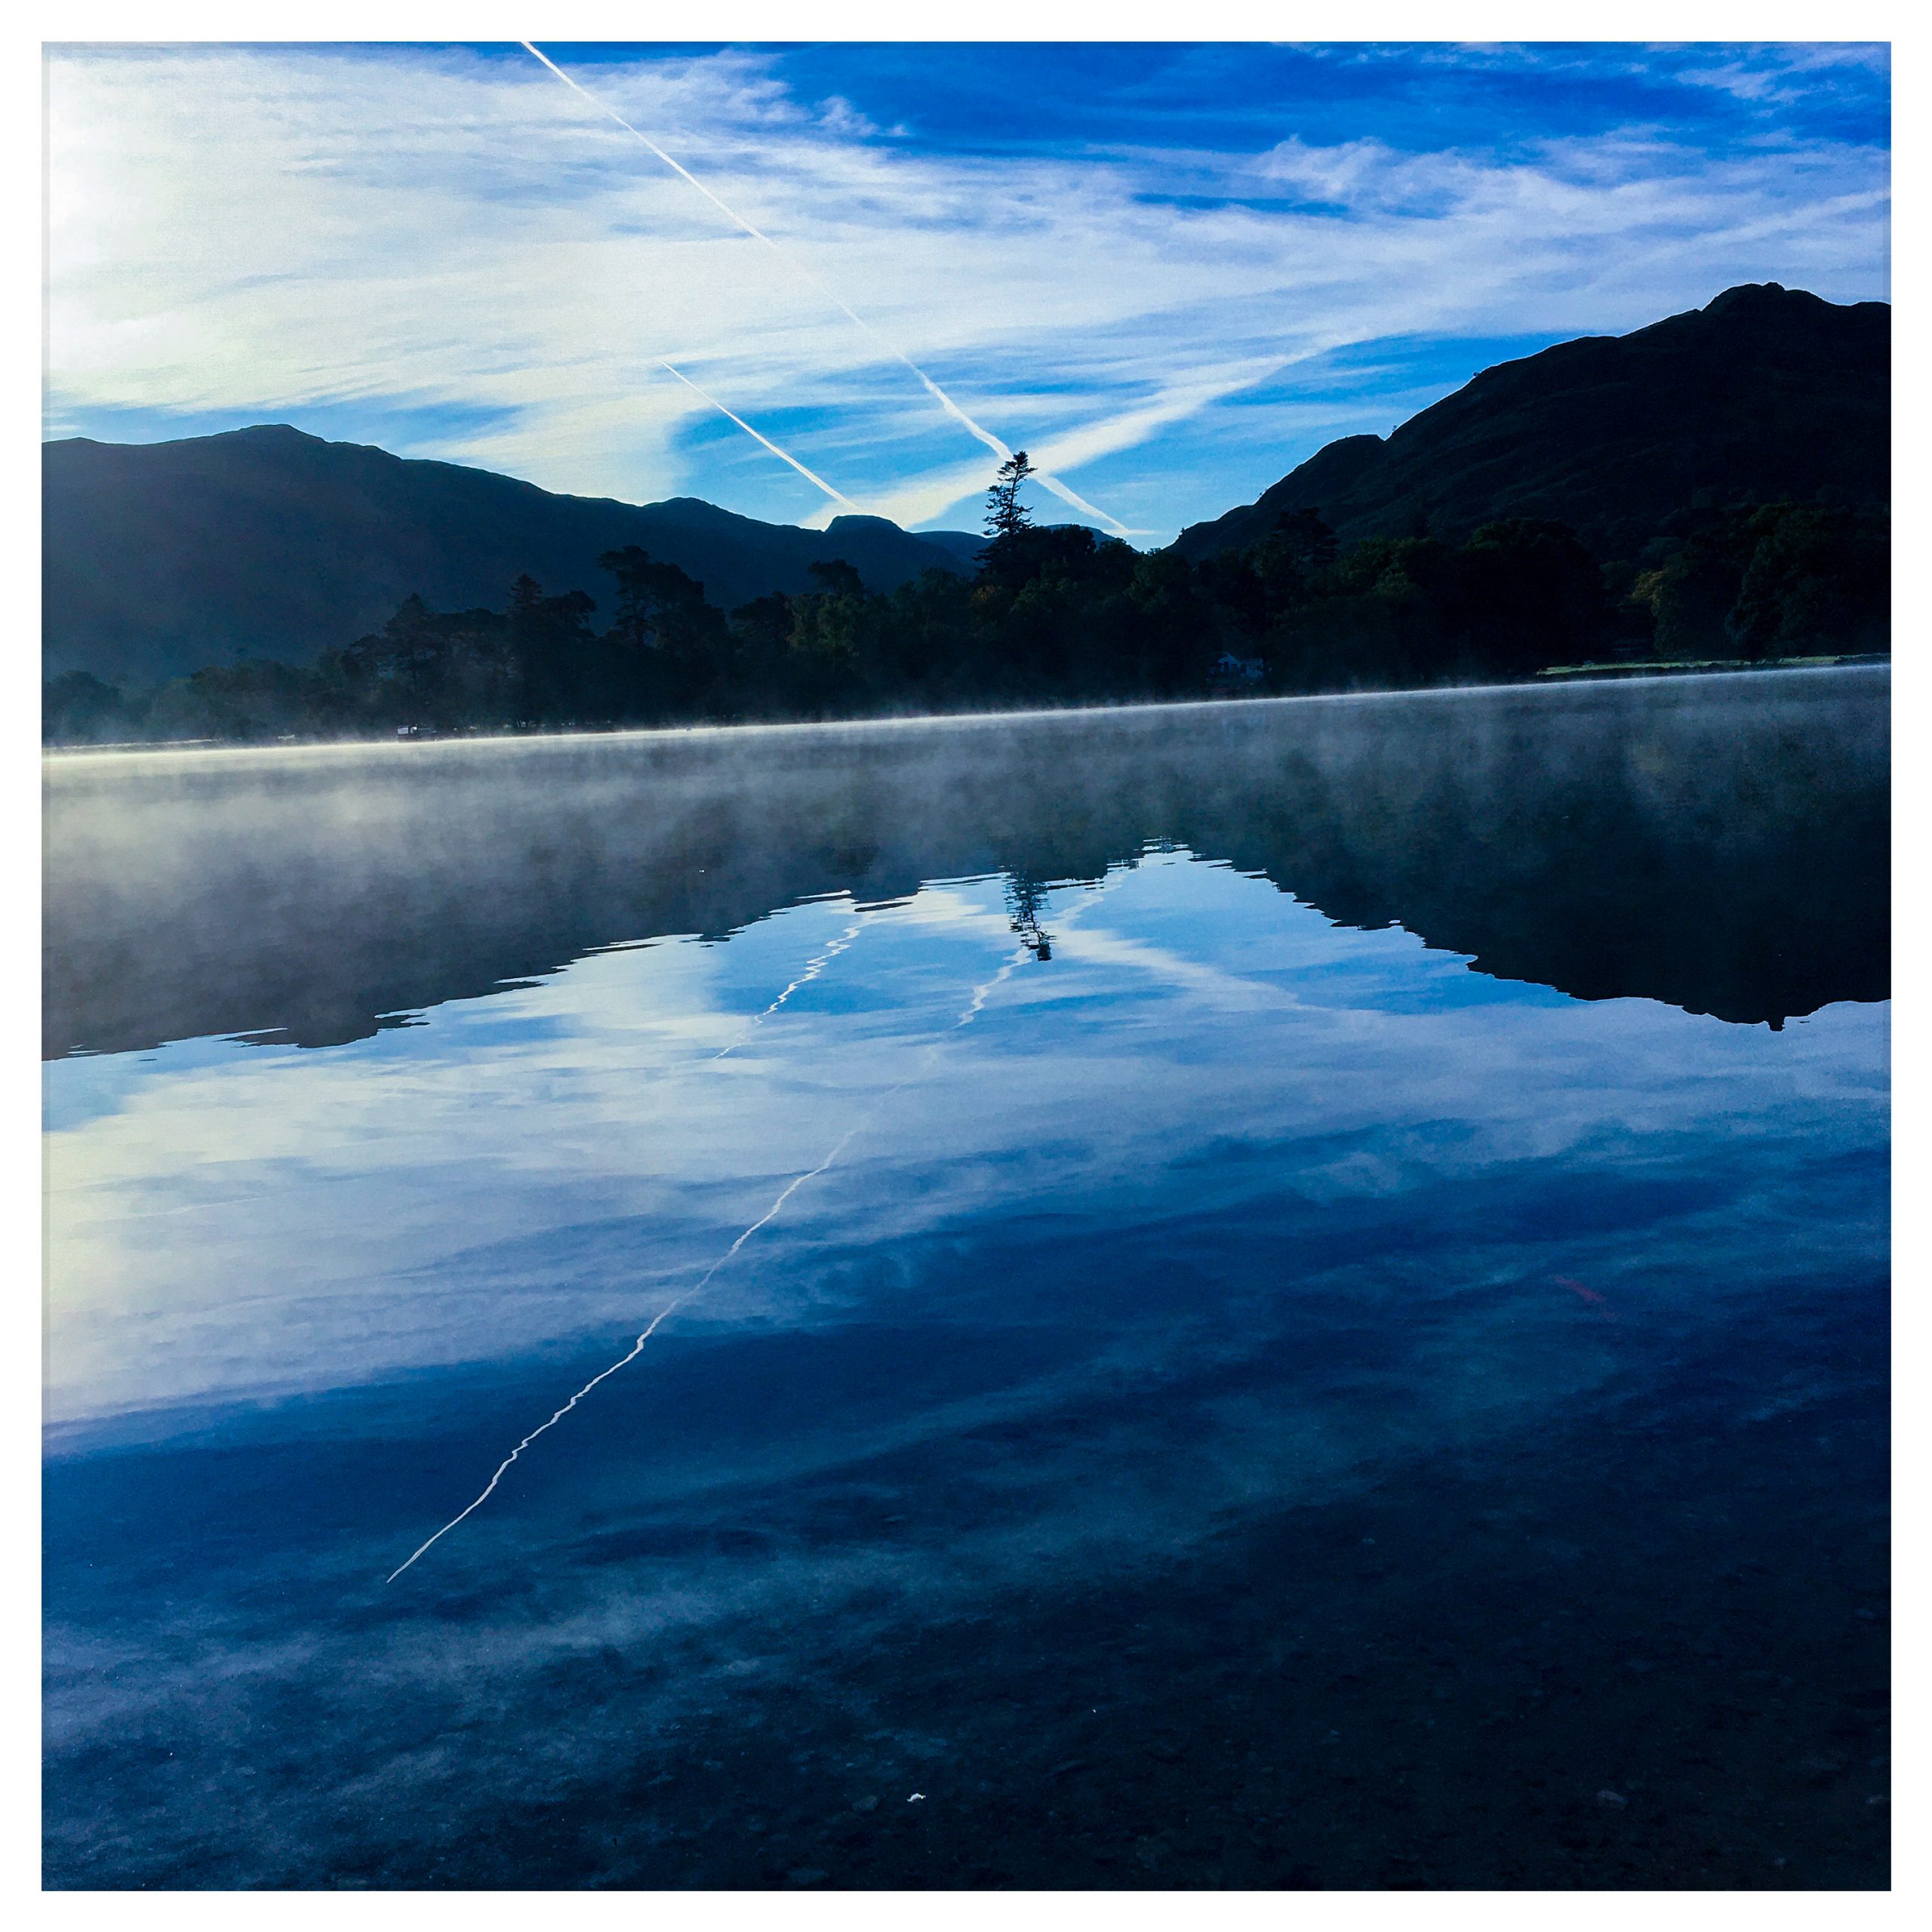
272	230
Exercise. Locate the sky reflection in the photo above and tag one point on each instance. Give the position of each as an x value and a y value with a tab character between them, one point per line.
1221	1222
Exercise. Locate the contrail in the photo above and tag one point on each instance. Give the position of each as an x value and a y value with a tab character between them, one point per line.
810	476
971	1012
798	268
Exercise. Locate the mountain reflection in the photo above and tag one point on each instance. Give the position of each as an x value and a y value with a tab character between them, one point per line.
1720	844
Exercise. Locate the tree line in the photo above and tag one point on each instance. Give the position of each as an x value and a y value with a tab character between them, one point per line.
1054	614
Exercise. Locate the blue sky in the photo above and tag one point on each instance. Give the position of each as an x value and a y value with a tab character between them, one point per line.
1170	272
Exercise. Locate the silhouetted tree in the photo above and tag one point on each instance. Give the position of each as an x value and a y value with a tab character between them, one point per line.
647	592
665	650
837	577
1006	515
553	656
1525	593
1818	579
78	708
832	629
1299	542
255	700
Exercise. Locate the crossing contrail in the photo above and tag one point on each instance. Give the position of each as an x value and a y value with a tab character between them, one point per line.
810	476
800	269
974	1006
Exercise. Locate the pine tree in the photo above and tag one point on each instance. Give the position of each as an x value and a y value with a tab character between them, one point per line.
1006	515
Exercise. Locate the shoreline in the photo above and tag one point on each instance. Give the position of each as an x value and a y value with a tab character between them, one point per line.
1556	678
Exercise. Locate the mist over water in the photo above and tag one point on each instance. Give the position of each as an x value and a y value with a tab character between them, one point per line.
1716	843
1374	1335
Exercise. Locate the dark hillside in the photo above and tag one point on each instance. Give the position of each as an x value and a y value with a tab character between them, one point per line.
161	558
1767	393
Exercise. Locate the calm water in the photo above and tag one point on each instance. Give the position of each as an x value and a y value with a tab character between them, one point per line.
1263	1295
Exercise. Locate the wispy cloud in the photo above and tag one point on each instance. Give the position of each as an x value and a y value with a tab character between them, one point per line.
387	236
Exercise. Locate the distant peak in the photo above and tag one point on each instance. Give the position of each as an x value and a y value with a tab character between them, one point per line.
278	431
1749	292
1767	298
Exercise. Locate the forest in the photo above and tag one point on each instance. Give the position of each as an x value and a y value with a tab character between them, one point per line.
1054	615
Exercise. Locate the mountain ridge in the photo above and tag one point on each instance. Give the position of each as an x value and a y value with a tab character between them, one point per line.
1764	392
161	558
270	542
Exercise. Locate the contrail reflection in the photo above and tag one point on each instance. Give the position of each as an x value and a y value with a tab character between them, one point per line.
636	1348
813	968
974	1006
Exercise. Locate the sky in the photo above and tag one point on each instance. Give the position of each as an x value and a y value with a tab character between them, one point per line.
1170	272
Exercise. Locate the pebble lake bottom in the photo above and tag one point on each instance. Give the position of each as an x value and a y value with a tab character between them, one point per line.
1362	1363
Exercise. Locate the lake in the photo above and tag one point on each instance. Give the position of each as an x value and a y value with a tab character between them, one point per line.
1279	1294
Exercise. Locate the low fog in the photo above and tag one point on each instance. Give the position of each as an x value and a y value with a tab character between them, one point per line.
1721	844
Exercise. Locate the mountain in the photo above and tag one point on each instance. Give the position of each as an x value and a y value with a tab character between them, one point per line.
160	558
1768	393
164	557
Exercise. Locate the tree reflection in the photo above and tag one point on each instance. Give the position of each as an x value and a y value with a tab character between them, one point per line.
1026	900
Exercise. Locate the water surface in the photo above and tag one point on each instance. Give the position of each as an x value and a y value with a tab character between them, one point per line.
1278	1295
